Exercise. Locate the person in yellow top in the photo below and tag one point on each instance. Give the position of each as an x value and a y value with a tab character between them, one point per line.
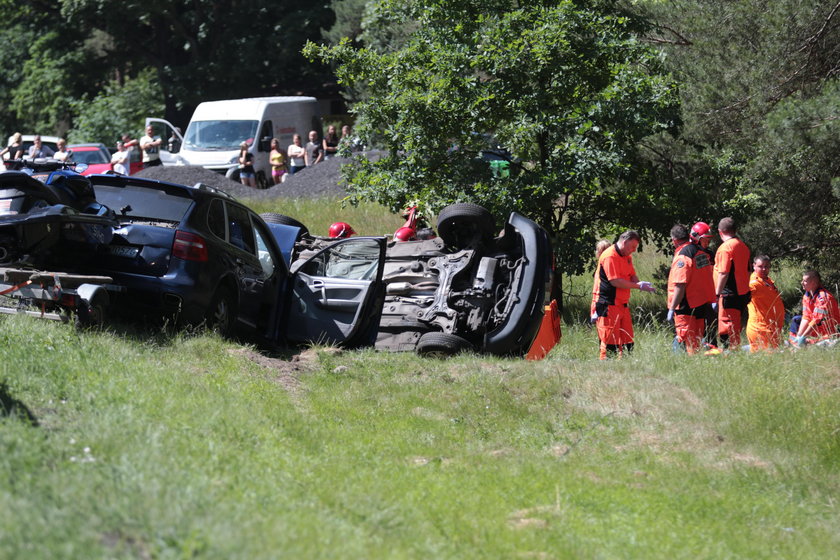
277	159
766	310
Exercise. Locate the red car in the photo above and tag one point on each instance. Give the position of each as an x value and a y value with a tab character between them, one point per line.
96	156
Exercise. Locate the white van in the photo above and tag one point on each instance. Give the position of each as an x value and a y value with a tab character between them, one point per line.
217	128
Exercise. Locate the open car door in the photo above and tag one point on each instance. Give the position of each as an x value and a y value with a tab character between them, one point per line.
172	140
337	294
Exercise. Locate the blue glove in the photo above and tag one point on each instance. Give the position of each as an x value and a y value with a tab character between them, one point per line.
646	287
670	317
799	340
593	318
714	306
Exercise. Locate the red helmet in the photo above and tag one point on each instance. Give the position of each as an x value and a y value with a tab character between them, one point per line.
341	230
405	234
700	230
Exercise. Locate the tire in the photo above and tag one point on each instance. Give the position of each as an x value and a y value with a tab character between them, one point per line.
275	218
221	314
441	345
233	175
8	249
262	182
90	314
463	224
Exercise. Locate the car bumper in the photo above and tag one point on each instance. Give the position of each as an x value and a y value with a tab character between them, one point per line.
517	332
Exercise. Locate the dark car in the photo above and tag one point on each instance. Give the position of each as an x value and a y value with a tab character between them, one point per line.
49	216
196	254
468	289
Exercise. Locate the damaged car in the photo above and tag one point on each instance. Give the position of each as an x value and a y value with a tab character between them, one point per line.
474	286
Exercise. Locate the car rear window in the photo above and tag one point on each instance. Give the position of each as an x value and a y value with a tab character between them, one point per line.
144	202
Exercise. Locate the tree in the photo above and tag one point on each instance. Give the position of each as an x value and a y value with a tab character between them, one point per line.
211	49
566	88
760	93
118	109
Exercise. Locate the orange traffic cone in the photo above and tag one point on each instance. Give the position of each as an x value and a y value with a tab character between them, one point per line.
548	335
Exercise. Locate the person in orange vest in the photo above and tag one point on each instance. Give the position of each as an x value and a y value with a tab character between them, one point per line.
766	309
616	277
600	247
732	283
691	289
820	313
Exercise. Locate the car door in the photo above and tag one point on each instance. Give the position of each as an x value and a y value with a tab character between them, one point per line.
172	140
245	263
337	294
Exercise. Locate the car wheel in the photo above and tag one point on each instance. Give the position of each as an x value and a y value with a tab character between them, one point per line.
262	182
233	174
441	345
463	224
90	314
275	218
8	249
221	314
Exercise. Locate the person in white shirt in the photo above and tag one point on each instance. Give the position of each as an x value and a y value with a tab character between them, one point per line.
120	160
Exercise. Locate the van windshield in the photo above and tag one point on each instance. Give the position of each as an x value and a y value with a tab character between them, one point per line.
220	135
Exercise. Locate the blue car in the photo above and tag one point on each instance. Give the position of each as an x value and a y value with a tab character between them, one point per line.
197	255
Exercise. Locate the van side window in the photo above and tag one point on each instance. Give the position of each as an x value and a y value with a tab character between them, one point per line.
266	134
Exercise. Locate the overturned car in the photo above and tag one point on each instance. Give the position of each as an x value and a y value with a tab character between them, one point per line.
467	289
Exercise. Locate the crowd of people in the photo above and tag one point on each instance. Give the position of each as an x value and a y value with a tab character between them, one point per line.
710	295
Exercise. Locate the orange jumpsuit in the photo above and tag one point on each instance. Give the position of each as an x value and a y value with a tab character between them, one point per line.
733	257
615	329
821	306
767	314
692	266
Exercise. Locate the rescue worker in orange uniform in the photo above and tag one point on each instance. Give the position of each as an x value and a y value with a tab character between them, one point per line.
616	276
820	313
691	288
732	283
766	309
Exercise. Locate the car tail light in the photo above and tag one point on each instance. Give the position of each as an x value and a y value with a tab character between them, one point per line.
189	246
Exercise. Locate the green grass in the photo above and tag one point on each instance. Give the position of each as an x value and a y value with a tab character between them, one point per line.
148	446
318	214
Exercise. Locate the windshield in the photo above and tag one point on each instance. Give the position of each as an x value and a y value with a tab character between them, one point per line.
89	156
220	135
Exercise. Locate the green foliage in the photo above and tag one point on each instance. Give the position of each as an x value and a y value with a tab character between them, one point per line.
568	89
210	49
759	90
51	76
117	109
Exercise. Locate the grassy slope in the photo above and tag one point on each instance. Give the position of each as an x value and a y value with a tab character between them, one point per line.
150	446
174	448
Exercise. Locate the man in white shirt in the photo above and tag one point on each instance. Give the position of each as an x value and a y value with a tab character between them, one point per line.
150	144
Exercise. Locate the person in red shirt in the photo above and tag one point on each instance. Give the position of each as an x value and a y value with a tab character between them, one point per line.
766	309
820	313
615	278
732	283
691	289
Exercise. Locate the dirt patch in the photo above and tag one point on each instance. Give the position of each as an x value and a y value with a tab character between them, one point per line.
285	372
